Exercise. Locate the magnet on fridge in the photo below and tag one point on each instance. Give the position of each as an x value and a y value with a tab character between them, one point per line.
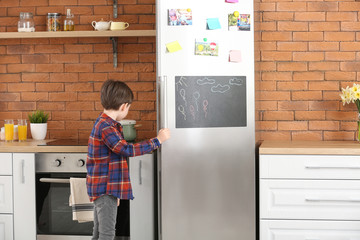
173	47
231	1
235	56
213	23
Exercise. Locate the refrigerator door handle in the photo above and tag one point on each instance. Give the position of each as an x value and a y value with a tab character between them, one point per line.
162	90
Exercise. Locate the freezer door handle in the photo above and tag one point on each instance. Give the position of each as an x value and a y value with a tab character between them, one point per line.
162	90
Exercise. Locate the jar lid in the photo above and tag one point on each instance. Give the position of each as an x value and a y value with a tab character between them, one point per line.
24	15
54	14
127	122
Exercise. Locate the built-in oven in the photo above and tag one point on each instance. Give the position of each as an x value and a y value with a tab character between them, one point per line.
53	213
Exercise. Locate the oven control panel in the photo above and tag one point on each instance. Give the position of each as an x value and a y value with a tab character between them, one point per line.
60	162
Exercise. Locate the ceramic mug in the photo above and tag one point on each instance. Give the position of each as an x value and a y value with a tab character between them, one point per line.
101	25
119	25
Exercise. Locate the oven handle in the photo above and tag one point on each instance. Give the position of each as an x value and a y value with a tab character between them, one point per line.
54	180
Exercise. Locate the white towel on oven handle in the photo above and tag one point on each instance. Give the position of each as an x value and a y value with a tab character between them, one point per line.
82	208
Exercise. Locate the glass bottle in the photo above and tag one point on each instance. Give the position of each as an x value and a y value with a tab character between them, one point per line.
26	22
53	22
69	22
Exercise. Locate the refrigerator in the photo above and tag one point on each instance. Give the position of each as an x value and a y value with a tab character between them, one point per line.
205	96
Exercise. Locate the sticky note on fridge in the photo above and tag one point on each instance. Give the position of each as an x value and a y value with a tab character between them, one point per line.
231	1
235	56
213	23
173	46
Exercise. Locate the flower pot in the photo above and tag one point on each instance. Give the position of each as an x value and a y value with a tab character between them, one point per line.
38	130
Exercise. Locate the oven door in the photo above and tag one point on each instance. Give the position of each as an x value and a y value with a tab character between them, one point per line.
53	213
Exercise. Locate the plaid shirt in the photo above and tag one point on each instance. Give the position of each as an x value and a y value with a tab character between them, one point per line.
107	168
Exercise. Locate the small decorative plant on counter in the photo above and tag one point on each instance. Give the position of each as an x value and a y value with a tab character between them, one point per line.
38	124
352	95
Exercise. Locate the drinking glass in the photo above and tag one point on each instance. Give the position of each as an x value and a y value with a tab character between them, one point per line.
9	130
22	130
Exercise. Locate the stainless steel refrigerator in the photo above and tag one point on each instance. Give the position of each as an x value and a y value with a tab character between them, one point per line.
205	95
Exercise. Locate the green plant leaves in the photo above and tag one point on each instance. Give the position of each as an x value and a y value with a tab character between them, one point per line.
38	117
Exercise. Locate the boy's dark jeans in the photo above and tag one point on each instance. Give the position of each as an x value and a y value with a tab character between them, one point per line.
105	210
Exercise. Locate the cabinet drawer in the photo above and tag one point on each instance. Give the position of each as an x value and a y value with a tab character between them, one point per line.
310	166
6	163
310	199
6	227
309	230
6	194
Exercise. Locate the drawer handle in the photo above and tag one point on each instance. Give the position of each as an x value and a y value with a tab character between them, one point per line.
314	199
332	167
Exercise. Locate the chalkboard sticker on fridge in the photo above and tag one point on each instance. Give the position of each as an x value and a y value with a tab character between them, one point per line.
210	101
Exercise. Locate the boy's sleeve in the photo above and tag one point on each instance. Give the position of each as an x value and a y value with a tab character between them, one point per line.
113	140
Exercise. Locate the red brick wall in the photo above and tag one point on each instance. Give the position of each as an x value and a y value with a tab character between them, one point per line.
309	51
63	76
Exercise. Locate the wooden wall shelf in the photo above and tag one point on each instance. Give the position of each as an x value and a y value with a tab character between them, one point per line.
70	34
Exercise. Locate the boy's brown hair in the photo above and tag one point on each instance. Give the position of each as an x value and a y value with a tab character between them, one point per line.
114	94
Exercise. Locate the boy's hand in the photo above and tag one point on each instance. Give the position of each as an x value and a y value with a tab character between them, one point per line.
164	134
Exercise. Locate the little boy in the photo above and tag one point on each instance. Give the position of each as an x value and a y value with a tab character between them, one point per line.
107	170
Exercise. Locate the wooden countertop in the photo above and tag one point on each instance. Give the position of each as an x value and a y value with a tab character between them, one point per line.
31	146
310	147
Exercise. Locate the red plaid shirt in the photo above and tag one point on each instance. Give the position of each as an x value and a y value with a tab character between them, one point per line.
107	168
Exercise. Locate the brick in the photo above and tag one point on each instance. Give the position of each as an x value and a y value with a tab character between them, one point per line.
340	56
93	77
267	66
309	115
19	68
324	46
138	9
63	134
292	26
292	125
81	67
79	87
324	66
34	3
21	106
64	77
4	59
49	87
147	96
331	95
56	125
324	26
338	136
43	58
138	67
51	106
349	46
308	56
49	68
62	96
340	76
93	58
291	6
10	77
292	86
306	136
108	67
34	96
348	126
349	66
79	124
78	48
66	115
88	96
92	2
124	76
72	106
42	48
323	125
64	58
268	125
270	46
276	135
20	49
310	16
322	6
276	36
308	36
62	2
308	76
291	66
339	36
344	16
292	46
89	115
341	115
350	26
275	95
306	95
276	56
325	85
7	97
349	6
142	105
267	105
21	87
292	105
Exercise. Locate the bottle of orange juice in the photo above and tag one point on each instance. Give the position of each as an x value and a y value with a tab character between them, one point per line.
9	130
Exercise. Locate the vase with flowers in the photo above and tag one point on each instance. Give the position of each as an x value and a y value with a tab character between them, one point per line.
352	95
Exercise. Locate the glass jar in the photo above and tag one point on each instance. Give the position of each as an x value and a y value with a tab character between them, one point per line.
69	22
26	22
53	22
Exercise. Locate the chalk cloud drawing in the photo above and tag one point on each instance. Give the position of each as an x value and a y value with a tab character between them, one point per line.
235	81
205	81
220	88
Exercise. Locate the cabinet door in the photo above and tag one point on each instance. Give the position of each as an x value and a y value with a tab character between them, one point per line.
310	199
6	205
6	227
6	164
142	207
24	196
309	230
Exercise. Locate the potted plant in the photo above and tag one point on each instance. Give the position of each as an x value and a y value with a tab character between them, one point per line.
38	124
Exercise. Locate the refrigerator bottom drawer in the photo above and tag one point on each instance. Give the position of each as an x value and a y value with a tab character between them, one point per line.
309	230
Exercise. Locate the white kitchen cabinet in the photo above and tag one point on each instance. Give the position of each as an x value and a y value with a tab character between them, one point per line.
142	213
308	197
6	164
24	196
6	227
6	199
